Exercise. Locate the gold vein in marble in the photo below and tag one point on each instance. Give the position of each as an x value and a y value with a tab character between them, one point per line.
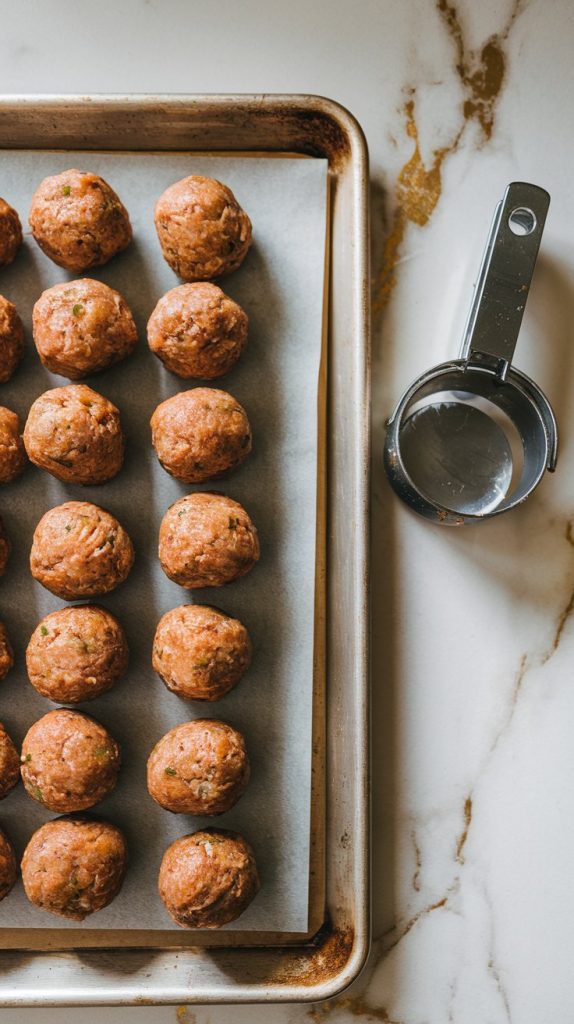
519	678
453	988
397	932
394	935
404	930
356	1006
520	674
418	187
481	73
461	842
417	192
495	975
563	619
400	932
418	863
566	611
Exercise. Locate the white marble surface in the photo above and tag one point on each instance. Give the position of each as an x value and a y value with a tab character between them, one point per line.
473	638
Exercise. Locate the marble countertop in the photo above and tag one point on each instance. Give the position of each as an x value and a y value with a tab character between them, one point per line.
473	704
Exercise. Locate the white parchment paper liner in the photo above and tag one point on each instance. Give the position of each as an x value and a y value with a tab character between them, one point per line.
281	287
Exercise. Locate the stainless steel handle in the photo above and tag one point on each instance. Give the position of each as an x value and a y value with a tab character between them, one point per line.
504	278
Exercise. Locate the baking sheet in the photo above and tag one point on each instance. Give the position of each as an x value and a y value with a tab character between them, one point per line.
281	287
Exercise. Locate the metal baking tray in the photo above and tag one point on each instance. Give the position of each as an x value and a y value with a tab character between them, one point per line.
329	960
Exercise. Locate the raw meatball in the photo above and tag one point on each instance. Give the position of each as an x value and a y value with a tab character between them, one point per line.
76	654
12	451
199	652
75	434
81	327
80	550
199	767
11	338
9	763
208	879
4	547
69	761
200	434
73	866
197	331
78	220
207	540
10	233
8	865
203	231
6	652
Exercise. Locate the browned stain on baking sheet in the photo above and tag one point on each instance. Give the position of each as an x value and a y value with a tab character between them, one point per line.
315	132
184	1015
314	965
418	189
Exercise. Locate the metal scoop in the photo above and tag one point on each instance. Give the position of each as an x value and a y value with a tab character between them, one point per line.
472	438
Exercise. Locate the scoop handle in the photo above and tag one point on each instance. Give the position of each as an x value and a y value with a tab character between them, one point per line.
504	278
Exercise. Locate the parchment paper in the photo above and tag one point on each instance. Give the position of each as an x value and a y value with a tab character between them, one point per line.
281	287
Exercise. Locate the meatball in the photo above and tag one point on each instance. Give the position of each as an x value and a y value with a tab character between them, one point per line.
4	547
200	434
11	338
197	331
6	652
10	233
75	434
207	540
208	878
8	865
199	767
202	230
199	652
82	327
12	451
73	866
80	550
76	654
78	220
69	761
9	763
